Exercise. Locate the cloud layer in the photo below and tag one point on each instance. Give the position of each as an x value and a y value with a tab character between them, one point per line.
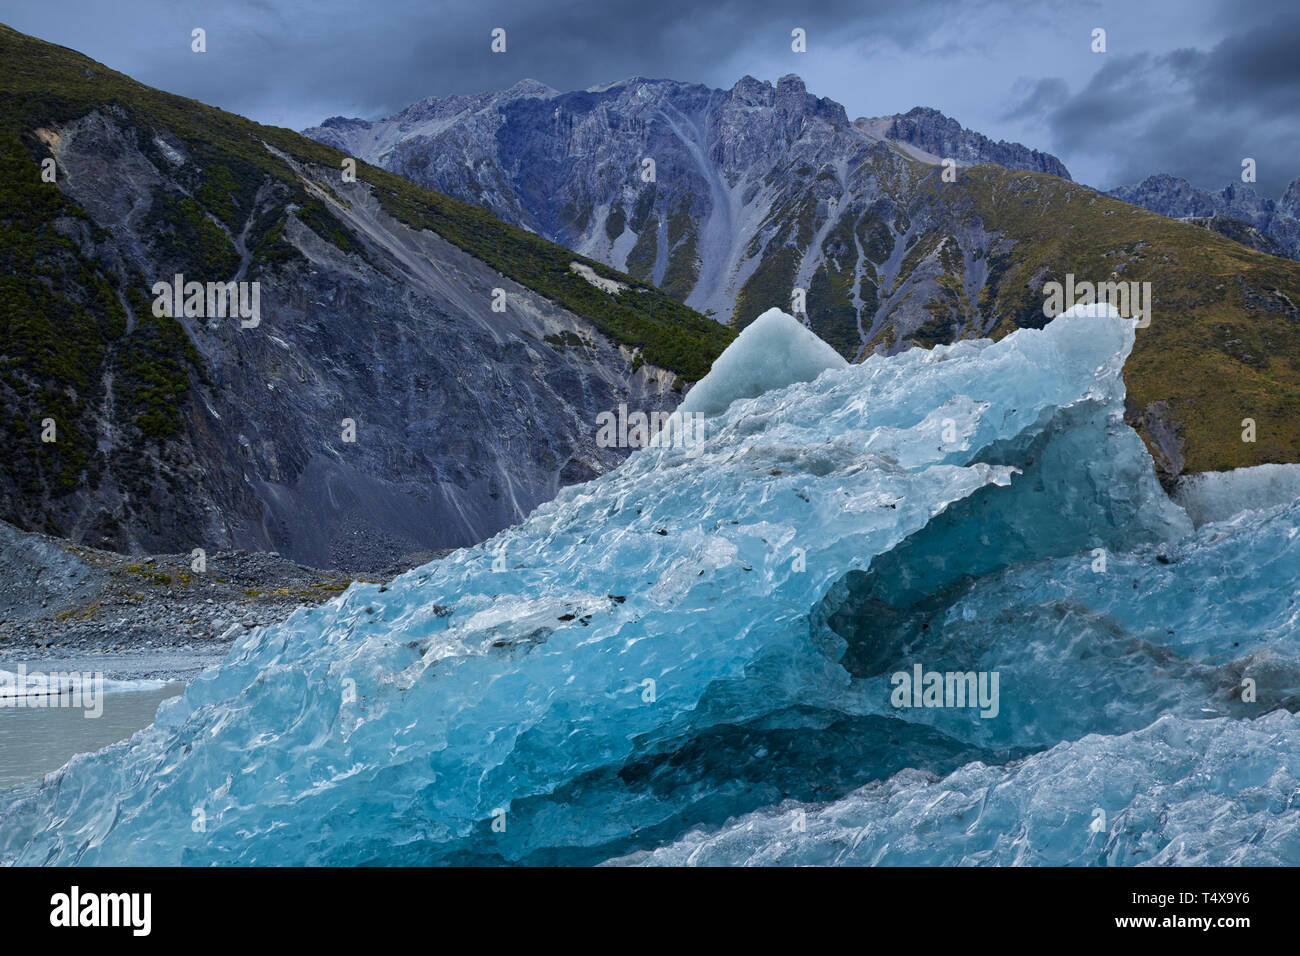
1196	113
1188	87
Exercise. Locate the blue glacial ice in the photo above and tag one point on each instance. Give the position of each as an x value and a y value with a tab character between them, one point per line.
1180	792
1222	495
770	353
672	662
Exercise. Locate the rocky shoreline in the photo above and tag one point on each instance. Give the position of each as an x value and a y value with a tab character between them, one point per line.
61	601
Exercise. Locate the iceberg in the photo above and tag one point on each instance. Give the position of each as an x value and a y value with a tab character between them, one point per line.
655	664
1222	495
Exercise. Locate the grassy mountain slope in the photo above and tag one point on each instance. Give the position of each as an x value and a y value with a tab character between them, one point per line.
1224	339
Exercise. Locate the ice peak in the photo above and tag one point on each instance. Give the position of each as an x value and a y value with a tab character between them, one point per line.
773	351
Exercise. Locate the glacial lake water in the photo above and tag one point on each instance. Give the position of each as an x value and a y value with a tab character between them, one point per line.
37	740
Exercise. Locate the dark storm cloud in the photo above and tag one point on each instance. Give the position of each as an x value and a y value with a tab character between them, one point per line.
1118	93
1043	96
378	58
1195	113
1189	87
1259	68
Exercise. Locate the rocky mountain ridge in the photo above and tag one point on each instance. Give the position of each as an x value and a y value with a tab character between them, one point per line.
728	167
1236	211
733	201
941	136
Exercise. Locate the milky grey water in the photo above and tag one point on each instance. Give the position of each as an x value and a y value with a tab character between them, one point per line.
35	741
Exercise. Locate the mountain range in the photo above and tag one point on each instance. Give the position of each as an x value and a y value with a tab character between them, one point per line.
1269	225
430	361
739	176
730	200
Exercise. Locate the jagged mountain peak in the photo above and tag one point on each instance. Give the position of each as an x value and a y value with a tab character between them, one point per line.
790	96
1236	211
1165	180
939	135
637	84
1290	201
750	87
432	107
343	122
789	82
531	87
929	113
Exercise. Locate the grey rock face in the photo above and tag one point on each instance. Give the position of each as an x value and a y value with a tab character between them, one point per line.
1271	226
739	177
465	418
37	572
928	129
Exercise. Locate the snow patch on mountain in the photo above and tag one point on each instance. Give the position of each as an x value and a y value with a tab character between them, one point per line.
612	286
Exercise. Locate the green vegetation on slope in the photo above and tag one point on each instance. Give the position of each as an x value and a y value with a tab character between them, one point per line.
43	84
830	295
79	344
59	316
683	269
769	286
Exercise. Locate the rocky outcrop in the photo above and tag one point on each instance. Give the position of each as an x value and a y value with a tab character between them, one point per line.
939	135
465	418
63	599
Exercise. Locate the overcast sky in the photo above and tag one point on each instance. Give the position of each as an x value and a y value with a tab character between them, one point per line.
1188	87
